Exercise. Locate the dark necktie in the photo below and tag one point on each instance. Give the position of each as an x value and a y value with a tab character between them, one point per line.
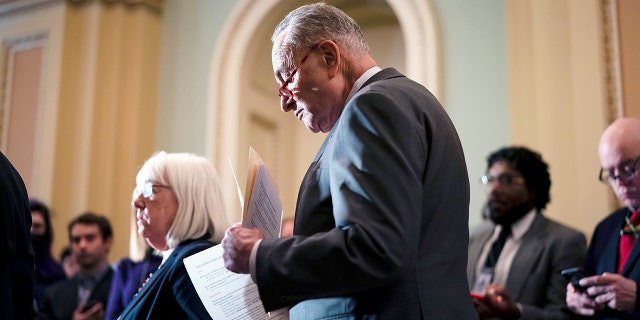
627	240
497	246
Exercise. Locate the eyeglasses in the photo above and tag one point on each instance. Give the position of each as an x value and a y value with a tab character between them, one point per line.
625	174
284	91
147	189
504	179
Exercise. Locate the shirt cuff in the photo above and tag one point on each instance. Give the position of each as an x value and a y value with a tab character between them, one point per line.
252	261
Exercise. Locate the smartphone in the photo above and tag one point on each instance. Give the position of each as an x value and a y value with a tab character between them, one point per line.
478	296
573	275
89	305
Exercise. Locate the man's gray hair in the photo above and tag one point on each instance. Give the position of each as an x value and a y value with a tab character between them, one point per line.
310	24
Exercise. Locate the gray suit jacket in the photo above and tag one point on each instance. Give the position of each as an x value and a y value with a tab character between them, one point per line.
381	225
534	279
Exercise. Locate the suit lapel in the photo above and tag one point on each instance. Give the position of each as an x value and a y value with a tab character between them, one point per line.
309	176
101	290
633	258
72	295
526	258
610	254
383	74
475	250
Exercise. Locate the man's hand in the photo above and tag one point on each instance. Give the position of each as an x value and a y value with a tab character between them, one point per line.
496	304
612	290
237	245
581	303
94	313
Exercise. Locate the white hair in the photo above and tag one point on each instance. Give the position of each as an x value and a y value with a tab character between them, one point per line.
194	182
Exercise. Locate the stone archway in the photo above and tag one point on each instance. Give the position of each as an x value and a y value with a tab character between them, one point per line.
230	120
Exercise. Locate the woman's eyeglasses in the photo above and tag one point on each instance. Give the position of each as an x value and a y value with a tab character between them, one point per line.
146	190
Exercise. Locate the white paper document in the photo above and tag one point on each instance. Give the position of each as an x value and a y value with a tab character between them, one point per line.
226	295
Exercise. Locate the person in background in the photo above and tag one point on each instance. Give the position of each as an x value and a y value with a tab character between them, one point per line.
381	222
517	254
179	212
68	262
613	258
131	272
85	295
16	254
48	271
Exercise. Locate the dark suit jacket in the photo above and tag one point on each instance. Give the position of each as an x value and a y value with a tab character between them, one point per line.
127	279
17	266
603	257
170	294
61	298
534	279
381	222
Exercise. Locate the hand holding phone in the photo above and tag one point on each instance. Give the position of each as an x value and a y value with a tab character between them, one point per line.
89	305
573	275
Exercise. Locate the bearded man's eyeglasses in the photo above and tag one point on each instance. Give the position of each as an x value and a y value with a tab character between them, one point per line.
503	179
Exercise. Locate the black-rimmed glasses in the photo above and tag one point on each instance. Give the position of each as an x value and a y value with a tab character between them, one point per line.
284	91
504	179
625	174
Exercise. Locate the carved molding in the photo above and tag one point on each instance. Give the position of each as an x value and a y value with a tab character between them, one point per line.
8	7
153	5
8	49
611	46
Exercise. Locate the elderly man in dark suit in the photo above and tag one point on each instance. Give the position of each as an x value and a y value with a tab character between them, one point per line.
381	224
17	266
614	252
519	252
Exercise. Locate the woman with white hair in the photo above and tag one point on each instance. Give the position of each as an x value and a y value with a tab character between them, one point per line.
179	212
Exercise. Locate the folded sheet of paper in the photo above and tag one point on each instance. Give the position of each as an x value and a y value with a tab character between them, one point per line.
227	295
262	207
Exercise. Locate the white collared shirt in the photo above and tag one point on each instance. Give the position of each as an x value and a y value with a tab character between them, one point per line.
511	247
361	80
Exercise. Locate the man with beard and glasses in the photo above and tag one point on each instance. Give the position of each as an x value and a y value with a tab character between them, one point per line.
516	255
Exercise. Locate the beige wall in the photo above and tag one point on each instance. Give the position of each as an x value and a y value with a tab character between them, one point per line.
96	118
96	123
557	99
629	46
